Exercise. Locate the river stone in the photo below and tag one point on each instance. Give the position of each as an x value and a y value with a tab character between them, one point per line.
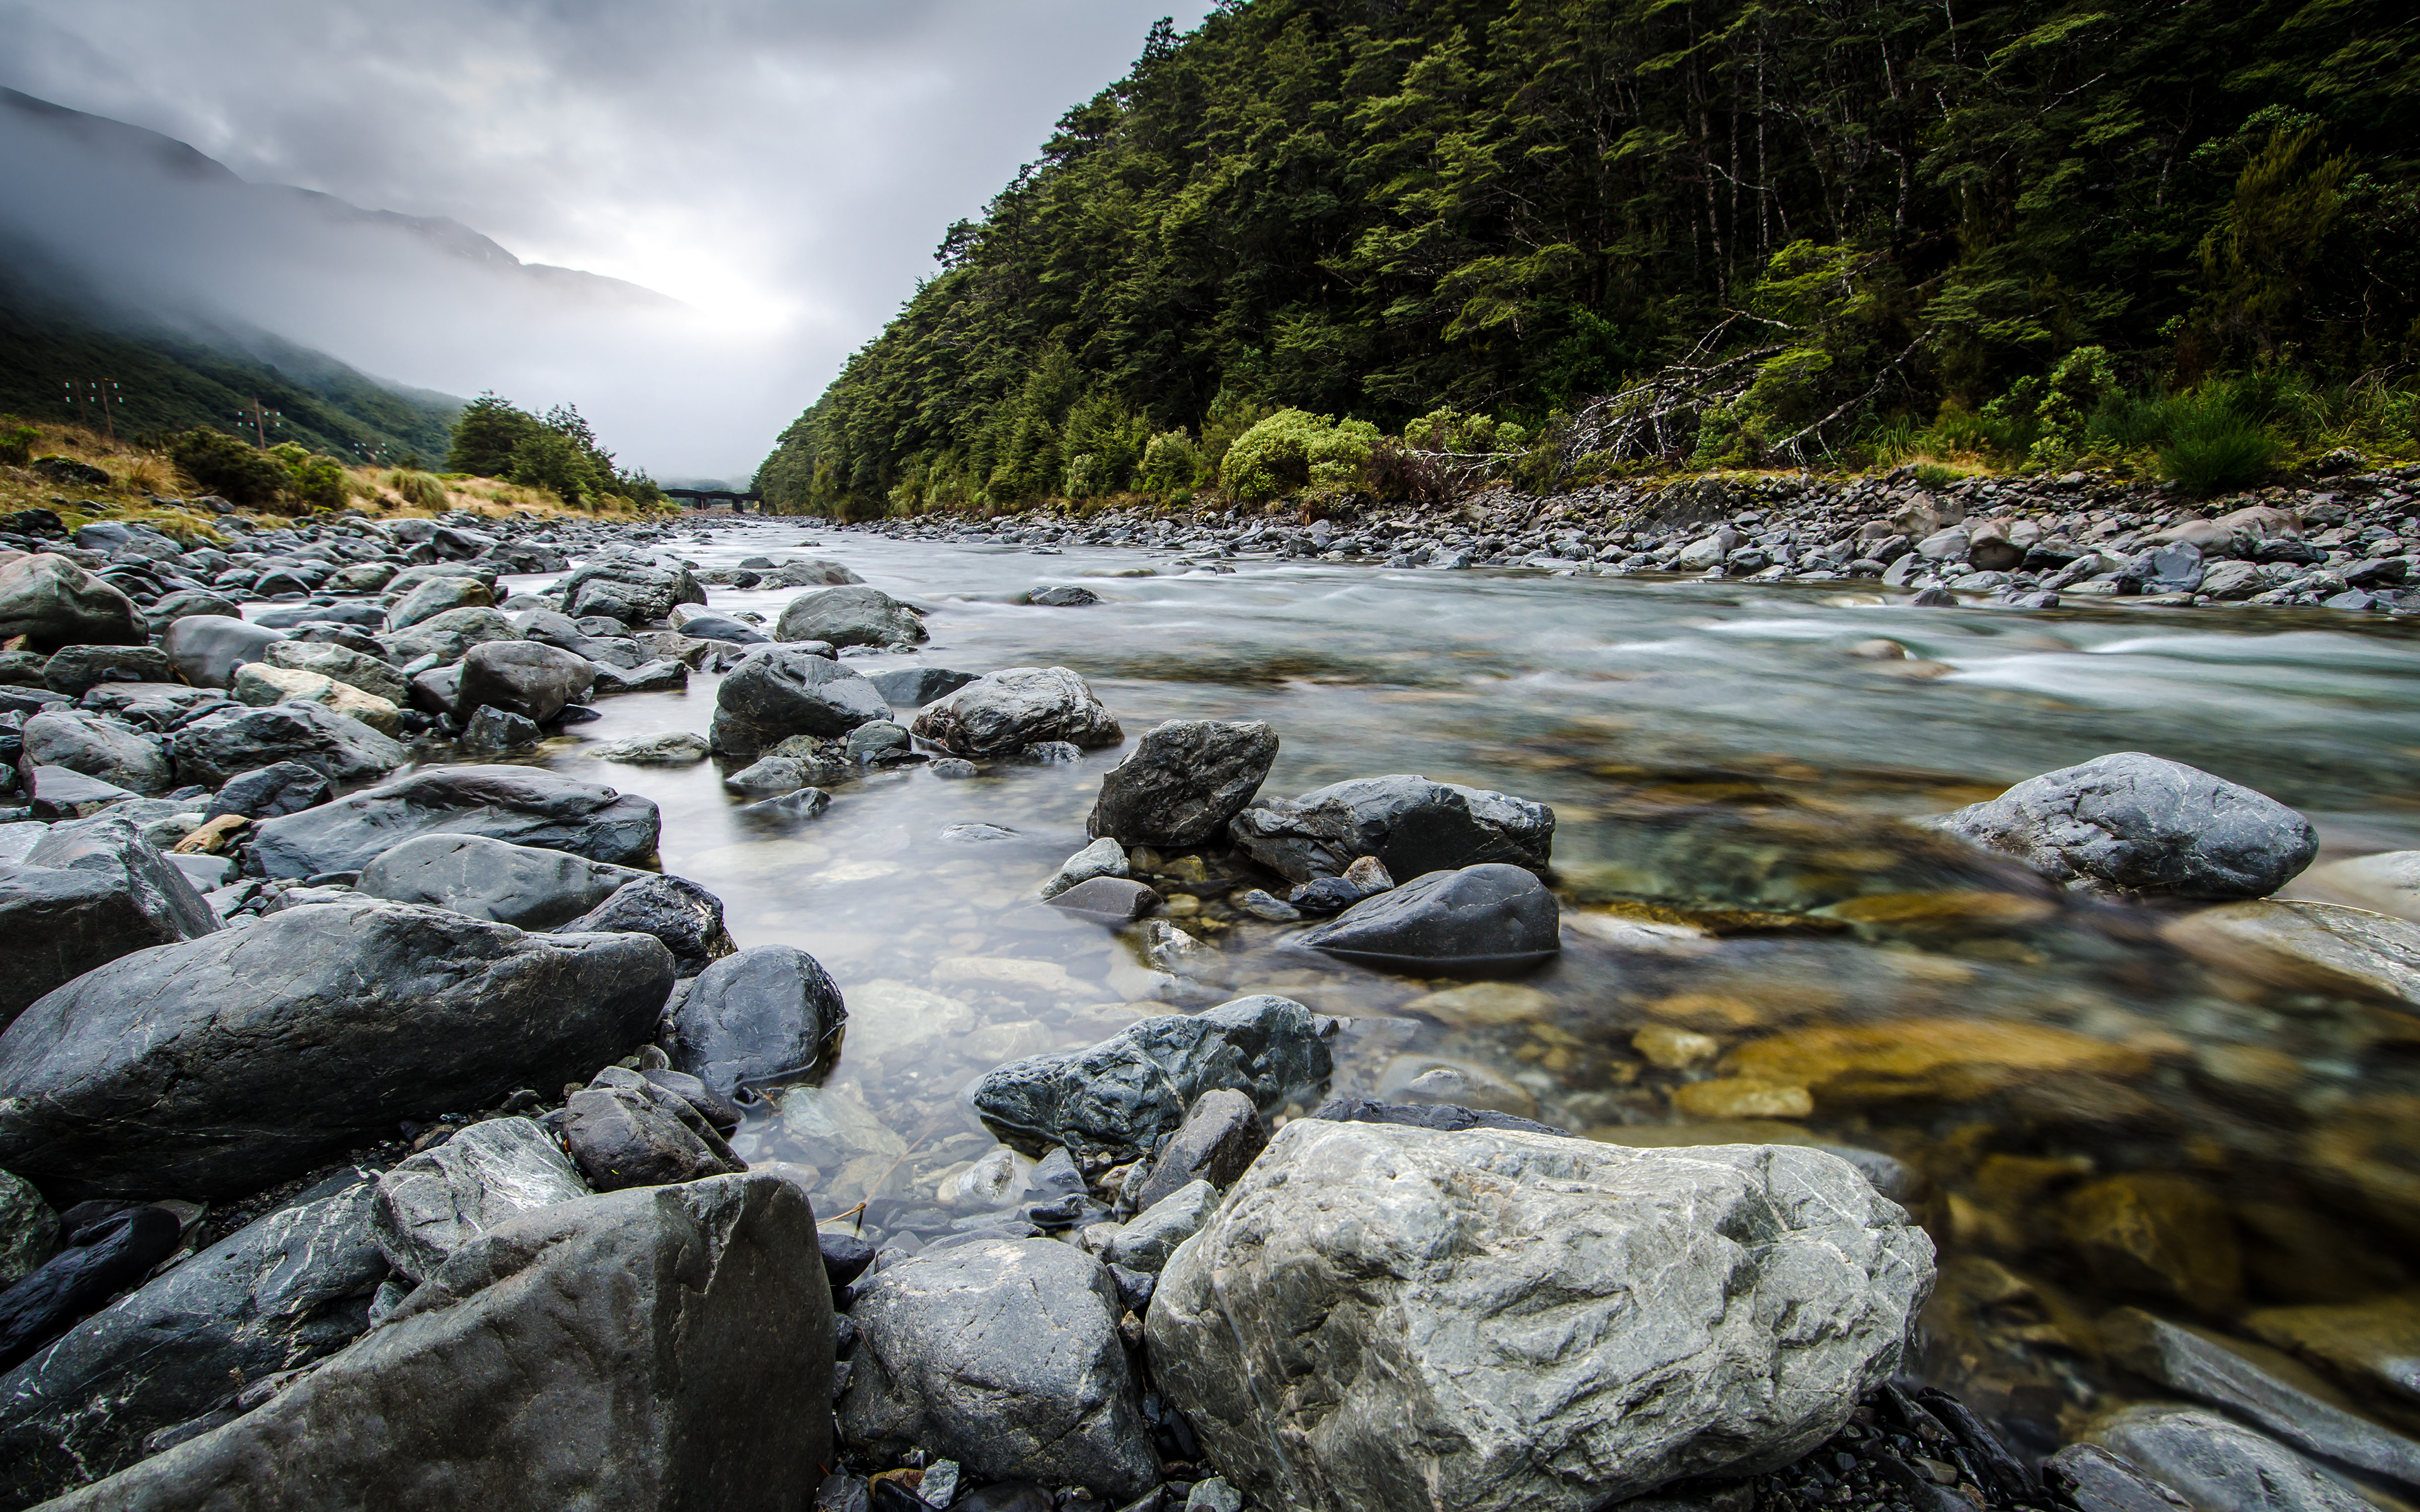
207	648
342	1017
83	896
433	596
705	625
219	746
679	747
522	677
757	1018
102	1259
2221	1466
432	1204
1183	783
77	670
629	589
2133	822
674	910
1411	824
1104	857
259	684
525	804
278	1294
912	688
777	692
62	793
624	1131
2310	947
269	792
53	603
2090	1478
1004	1356
1144	1244
1482	920
1222	1133
854	615
97	747
1120	1095
189	601
699	1377
523	886
2387	881
1107	899
1382	1315
155	706
29	1230
1000	712
490	731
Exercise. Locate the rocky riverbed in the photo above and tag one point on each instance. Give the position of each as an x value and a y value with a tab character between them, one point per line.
1214	1013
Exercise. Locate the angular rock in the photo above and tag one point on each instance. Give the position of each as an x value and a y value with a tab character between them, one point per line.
795	807
76	669
101	1259
1482	920
674	910
259	686
53	603
2309	948
347	752
1004	1356
523	886
624	1131
912	688
522	677
269	792
207	648
1104	857
2131	822
778	691
343	1018
491	730
524	804
757	1019
434	1203
29	1230
84	896
1120	1095
97	747
850	616
706	625
1003	712
1222	1135
2091	1479
1183	783
433	596
1411	824
61	792
629	589
2219	1465
1145	1244
155	706
1567	1323
1109	900
700	1376
278	1294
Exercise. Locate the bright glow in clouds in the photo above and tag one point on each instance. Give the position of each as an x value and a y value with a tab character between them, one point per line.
783	167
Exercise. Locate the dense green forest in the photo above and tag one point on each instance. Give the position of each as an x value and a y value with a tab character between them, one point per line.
1653	233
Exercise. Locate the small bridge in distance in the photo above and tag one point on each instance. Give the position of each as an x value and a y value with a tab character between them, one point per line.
711	498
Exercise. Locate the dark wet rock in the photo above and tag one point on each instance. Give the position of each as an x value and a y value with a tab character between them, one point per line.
220	746
1482	920
778	691
62	793
278	1294
491	730
267	792
711	1105
98	748
74	670
846	1255
1183	783
628	590
53	603
1144	1244
84	897
2090	1478
101	1261
207	648
2219	1465
1780	1286
1411	824
624	1131
343	1017
878	743
795	807
154	707
1322	896
1007	711
855	615
757	1019
1444	1117
2133	822
706	625
773	774
912	688
512	1379
674	910
522	677
647	677
524	804
186	602
1109	900
432	1204
433	596
1002	1355
525	885
438	691
1221	1135
1120	1095
1067	596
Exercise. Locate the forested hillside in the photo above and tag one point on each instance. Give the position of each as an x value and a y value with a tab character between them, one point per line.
1776	233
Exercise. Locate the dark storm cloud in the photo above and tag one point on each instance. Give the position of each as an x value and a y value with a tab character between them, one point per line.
783	168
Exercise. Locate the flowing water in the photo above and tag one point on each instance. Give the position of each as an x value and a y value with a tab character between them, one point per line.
1756	944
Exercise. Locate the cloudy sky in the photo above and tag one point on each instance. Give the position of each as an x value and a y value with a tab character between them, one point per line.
783	166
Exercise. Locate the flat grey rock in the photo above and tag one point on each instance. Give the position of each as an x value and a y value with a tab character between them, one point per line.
1411	824
1001	713
525	804
2219	1465
1492	920
432	1204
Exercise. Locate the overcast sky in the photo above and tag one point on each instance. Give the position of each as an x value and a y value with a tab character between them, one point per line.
785	166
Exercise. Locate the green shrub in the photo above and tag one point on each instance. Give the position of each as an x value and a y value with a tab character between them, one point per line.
1450	430
1087	476
229	468
1293	450
418	489
1933	475
2214	445
319	481
17	445
1170	463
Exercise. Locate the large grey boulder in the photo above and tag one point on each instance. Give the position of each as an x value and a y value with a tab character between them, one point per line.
207	648
229	1063
85	895
433	596
668	1347
629	589
2219	1465
525	804
769	1013
97	747
343	664
1222	1135
1120	1095
434	1203
851	616
525	885
522	677
2131	822
1004	1356
346	752
912	688
684	916
999	713
278	1294
1381	1316
1411	824
777	692
1183	783
1480	920
53	603
75	671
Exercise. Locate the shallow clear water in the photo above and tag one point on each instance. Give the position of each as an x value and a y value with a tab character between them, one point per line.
1706	747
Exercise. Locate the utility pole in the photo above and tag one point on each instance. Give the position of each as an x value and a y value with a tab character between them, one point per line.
260	420
97	393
